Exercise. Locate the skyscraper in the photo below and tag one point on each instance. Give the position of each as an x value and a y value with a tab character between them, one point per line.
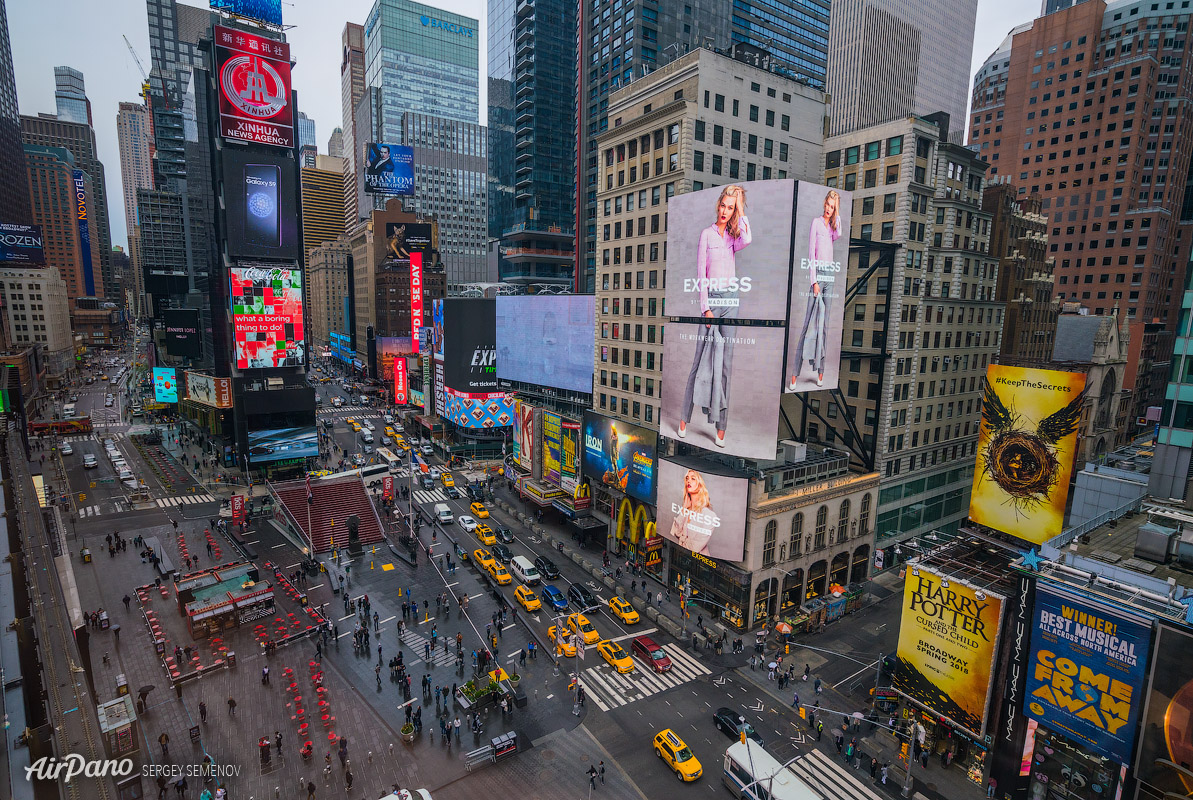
306	131
352	89
335	143
14	200
621	41
889	59
322	195
70	96
52	176
532	158
134	136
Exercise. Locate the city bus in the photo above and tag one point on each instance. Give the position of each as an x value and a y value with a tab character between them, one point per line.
393	462
751	773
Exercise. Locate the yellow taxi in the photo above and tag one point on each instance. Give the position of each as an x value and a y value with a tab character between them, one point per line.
567	648
447	479
483	557
485	534
350	420
356	427
499	573
579	625
527	598
677	755
402	446
615	656
479	511
389	431
623	610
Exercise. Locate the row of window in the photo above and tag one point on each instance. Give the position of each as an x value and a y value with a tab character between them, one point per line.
816	539
636	409
718	105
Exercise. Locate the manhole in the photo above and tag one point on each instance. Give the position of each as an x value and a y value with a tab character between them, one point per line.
548	755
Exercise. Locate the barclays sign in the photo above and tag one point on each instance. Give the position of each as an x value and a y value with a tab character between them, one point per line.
431	22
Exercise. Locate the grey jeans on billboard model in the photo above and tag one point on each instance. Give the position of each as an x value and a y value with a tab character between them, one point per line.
814	349
712	366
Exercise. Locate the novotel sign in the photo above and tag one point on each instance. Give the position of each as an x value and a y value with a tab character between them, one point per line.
431	22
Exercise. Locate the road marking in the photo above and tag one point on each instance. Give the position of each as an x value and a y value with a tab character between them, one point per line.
252	541
292	566
387	619
870	667
350	616
276	546
636	634
316	586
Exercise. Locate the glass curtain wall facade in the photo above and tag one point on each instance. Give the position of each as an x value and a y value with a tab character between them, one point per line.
14	201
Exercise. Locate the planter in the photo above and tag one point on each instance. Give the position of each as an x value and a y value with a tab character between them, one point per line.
514	680
408	733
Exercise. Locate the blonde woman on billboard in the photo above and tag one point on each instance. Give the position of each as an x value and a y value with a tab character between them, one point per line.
716	271
695	521
822	272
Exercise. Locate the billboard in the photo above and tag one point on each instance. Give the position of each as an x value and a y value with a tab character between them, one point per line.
1086	672
416	297
552	425
21	244
569	456
209	391
722	371
1026	446
253	73
267	317
282	444
470	345
1168	715
947	642
702	511
620	454
389	168
437	328
165	385
523	442
389	348
82	216
404	239
478	411
546	340
259	205
818	283
401	381
268	11
182	332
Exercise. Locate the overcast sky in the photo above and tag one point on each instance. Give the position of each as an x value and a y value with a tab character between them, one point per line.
87	35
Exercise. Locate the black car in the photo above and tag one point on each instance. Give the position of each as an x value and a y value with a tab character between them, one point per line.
732	724
502	553
546	568
453	492
504	534
476	492
579	596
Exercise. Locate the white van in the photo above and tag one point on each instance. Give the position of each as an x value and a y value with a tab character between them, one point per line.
366	437
443	514
525	571
127	478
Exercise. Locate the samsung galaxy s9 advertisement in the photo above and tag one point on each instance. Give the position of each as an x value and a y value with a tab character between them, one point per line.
260	201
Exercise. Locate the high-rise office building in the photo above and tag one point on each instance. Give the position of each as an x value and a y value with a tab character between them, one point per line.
134	136
306	131
889	59
47	130
352	89
916	340
14	200
322	203
70	96
51	311
532	139
622	41
335	143
54	178
329	293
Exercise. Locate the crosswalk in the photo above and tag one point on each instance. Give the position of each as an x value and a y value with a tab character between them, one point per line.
96	510
357	410
417	642
119	506
94	437
185	500
430	496
610	689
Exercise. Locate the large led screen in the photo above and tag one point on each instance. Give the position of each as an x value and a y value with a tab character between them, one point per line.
1164	737
818	286
209	391
1107	651
546	340
481	411
282	444
21	244
948	638
267	317
469	345
437	328
552	426
622	455
165	385
703	511
269	11
403	239
260	193
182	332
1026	446
715	394
523	443
389	168
253	73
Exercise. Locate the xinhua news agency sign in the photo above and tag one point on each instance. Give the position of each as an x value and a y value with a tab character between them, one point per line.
451	27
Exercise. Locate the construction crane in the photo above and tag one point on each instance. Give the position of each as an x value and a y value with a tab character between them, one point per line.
141	67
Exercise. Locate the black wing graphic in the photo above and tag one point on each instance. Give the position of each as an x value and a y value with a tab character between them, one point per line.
1061	423
995	414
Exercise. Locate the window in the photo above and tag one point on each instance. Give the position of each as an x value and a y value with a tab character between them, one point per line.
851	155
698	160
843	521
785	123
821	527
768	543
699	132
753	113
719	103
894	146
873	150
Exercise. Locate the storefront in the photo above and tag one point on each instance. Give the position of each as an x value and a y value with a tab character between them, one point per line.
1061	769
720	590
940	739
635	538
539	493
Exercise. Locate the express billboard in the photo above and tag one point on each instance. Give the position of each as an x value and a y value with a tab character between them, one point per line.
703	511
722	370
389	168
948	638
165	385
268	11
21	244
1026	447
621	455
260	192
1165	740
209	391
523	442
1086	671
267	317
494	410
470	345
282	444
552	425
546	340
253	73
182	332
817	304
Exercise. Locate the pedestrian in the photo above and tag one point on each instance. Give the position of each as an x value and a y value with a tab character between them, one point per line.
348	778
164	741
659	600
457	727
873	768
818	686
310	790
180	786
592	776
819	728
795	700
277	740
127	600
202	711
924	758
885	770
231	706
601	770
